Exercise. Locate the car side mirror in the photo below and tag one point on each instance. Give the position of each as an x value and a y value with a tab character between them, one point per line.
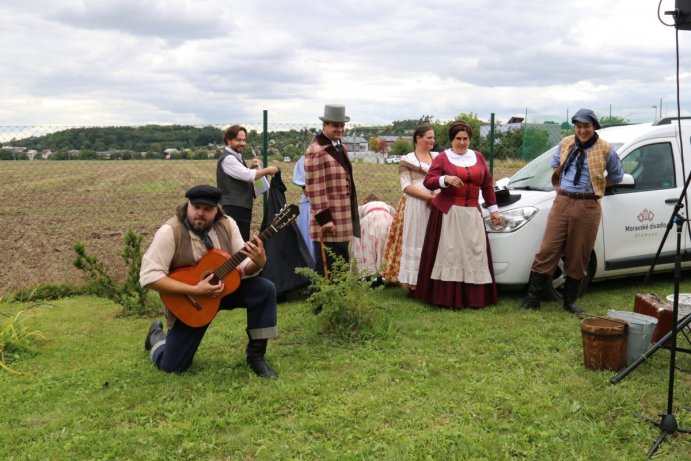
627	182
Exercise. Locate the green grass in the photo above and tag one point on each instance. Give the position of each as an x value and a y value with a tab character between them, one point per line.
498	383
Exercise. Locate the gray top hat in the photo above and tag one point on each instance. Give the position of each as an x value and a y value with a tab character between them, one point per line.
334	113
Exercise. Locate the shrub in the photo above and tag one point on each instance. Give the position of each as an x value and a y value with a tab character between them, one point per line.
344	303
100	283
132	296
134	299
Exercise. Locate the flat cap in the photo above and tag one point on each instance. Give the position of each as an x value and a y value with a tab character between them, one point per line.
208	195
586	116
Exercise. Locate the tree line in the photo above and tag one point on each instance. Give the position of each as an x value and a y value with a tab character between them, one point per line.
193	142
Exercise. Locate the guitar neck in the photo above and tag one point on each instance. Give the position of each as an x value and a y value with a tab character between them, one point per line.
227	267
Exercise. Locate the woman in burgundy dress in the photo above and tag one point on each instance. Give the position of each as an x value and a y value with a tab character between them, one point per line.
456	265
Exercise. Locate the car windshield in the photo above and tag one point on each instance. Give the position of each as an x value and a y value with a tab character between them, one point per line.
536	175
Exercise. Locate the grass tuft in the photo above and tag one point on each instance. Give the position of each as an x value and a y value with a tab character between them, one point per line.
16	340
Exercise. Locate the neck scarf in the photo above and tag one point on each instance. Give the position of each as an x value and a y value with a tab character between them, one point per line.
578	153
202	234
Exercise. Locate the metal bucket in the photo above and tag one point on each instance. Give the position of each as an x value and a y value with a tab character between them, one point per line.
641	329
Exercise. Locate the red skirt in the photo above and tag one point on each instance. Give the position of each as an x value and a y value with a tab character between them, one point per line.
453	295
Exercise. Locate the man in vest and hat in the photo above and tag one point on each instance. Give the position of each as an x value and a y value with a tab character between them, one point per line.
579	178
330	188
236	179
198	226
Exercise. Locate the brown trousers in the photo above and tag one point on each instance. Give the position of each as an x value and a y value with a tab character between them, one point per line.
571	231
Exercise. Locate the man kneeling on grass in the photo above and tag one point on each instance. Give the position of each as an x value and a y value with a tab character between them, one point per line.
200	225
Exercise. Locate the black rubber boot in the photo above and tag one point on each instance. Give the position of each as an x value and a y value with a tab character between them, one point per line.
570	293
154	335
256	348
536	285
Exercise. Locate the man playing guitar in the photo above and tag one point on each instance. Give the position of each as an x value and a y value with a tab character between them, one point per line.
199	230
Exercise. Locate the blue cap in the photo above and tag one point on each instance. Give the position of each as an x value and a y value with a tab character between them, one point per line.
586	116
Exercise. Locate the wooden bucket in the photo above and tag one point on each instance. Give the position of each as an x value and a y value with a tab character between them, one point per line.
604	343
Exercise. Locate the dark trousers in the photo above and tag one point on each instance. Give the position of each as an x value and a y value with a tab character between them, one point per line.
243	218
338	249
256	294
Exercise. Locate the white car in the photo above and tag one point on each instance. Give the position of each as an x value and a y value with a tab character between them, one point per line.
393	159
635	213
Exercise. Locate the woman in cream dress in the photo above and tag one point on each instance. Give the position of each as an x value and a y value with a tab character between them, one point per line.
456	264
404	243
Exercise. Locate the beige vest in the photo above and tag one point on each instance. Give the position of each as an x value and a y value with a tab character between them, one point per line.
183	250
597	162
183	242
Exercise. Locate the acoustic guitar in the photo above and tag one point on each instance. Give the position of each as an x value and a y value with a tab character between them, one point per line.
198	311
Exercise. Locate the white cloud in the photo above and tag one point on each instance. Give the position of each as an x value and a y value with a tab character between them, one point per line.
209	61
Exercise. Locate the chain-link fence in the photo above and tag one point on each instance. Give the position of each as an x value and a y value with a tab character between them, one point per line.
64	185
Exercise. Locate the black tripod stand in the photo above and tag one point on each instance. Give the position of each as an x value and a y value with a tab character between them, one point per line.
668	423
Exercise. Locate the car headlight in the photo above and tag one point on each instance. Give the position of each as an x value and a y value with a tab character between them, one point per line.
512	220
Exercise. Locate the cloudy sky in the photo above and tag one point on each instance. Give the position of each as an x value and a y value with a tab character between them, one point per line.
115	62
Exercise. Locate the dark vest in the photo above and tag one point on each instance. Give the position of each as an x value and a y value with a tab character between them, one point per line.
235	192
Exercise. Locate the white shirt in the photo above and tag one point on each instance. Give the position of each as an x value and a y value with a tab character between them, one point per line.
233	166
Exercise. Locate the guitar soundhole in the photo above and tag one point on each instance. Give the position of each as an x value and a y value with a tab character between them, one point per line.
214	280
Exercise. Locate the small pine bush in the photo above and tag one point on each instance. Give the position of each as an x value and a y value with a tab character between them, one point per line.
134	299
344	304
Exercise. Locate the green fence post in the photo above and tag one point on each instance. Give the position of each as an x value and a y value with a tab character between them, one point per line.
525	125
491	144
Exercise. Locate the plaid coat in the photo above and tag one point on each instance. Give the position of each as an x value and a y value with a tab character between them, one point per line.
330	188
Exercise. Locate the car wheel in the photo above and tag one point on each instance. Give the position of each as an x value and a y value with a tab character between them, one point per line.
554	291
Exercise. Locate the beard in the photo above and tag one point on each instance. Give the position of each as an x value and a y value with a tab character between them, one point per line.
200	224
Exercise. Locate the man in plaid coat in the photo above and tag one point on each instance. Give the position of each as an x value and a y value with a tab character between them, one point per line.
330	188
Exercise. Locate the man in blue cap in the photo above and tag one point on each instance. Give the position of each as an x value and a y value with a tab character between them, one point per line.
198	226
579	165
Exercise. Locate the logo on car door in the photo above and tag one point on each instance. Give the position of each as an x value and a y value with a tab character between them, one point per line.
646	215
